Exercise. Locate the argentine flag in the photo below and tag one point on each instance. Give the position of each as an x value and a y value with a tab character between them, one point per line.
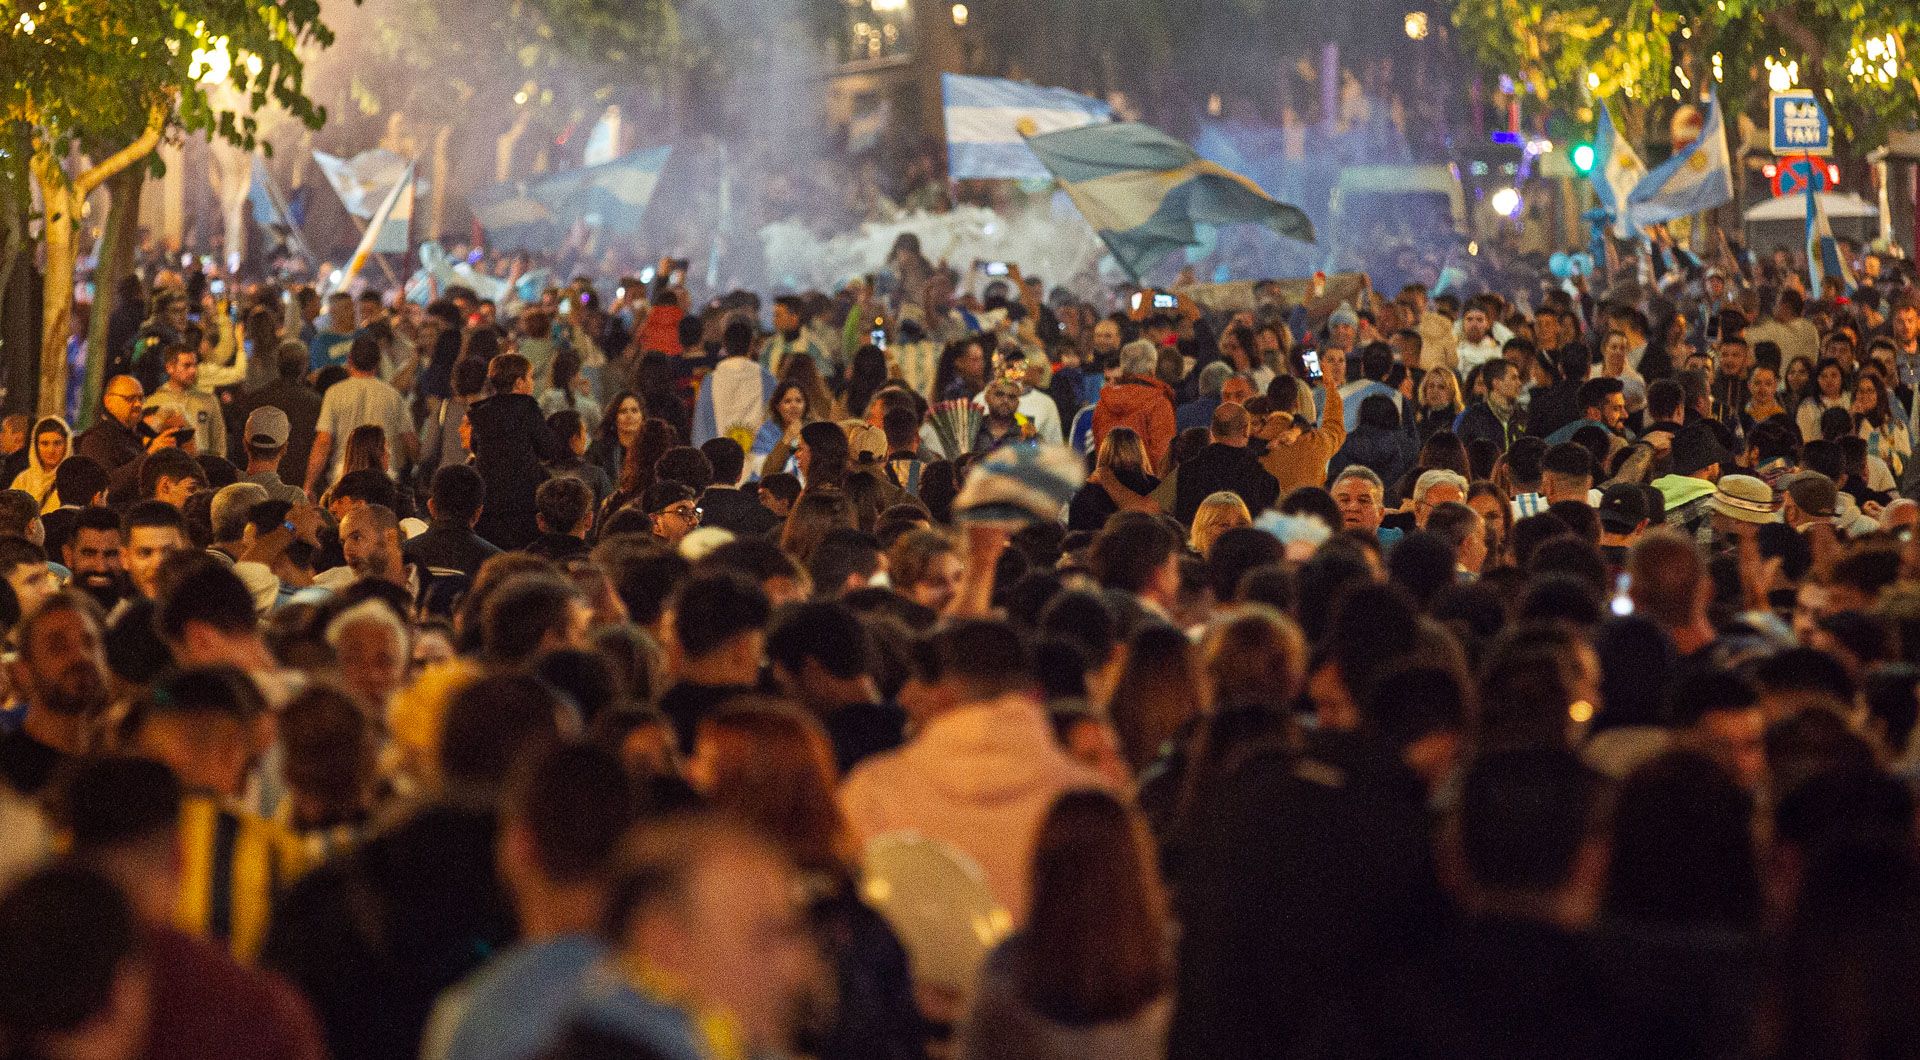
984	116
1823	250
1697	178
1617	170
386	232
1144	191
360	181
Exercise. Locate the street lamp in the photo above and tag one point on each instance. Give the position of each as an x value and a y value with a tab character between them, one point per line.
1416	25
960	15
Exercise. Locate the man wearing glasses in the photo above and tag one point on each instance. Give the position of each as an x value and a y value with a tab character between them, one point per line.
116	440
671	507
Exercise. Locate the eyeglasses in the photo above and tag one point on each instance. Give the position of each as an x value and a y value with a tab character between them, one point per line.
127	397
684	511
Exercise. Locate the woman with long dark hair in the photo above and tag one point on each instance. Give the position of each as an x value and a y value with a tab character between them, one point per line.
656	436
441	444
788	411
1091	973
619	426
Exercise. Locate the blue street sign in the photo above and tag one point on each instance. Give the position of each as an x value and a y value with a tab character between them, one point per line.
1799	124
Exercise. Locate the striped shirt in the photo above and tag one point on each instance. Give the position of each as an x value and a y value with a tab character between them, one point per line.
233	866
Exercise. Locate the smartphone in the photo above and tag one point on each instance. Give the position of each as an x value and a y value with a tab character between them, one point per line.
1164	301
217	287
996	268
1311	358
1137	296
646	274
619	294
1622	603
878	336
566	306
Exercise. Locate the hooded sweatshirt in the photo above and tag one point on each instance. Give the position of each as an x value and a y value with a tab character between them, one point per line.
979	778
37	480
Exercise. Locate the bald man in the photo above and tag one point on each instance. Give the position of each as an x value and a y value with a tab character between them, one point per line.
1224	464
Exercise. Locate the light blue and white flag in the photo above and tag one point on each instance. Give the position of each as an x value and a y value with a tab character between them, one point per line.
984	117
1617	169
362	180
1824	257
611	197
395	213
1144	191
1697	178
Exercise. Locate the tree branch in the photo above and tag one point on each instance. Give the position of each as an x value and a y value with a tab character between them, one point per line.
86	182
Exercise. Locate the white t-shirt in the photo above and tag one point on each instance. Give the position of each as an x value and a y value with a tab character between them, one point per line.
357	401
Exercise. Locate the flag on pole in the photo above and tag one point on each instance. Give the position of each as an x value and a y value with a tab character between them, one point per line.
391	237
1697	178
984	115
377	231
360	181
1144	191
1824	258
1617	170
270	210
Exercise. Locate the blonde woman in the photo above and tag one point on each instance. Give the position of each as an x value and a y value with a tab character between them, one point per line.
1123	457
1219	513
1440	402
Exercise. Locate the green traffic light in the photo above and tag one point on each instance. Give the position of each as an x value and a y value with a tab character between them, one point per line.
1583	157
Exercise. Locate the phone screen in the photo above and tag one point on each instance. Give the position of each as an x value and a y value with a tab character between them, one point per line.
878	336
996	268
1311	358
1163	301
1136	299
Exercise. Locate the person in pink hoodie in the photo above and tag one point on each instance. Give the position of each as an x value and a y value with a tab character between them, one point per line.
984	768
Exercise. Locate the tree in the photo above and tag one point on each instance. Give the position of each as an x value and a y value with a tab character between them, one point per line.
1642	56
96	84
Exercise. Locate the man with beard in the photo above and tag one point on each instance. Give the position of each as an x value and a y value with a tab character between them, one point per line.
370	541
60	680
93	555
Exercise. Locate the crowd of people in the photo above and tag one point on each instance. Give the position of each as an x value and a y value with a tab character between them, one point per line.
945	666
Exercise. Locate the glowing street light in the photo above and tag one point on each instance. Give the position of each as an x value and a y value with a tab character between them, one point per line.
1416	25
960	15
1505	202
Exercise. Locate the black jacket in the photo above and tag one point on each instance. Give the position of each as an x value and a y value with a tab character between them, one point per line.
557	547
1306	874
1217	467
1553	408
449	547
372	937
1091	507
736	511
511	446
118	450
1479	421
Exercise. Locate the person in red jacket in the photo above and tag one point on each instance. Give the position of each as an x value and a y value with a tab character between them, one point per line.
1140	400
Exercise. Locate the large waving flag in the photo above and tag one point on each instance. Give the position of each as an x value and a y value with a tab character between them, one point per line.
1823	250
611	197
379	231
1697	178
984	116
1144	191
1617	169
360	181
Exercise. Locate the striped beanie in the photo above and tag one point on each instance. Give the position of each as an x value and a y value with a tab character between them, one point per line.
1021	484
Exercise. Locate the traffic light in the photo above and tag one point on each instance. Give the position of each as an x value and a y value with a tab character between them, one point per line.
1583	158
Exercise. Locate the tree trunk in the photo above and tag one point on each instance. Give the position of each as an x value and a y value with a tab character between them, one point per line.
118	239
61	198
19	319
62	208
